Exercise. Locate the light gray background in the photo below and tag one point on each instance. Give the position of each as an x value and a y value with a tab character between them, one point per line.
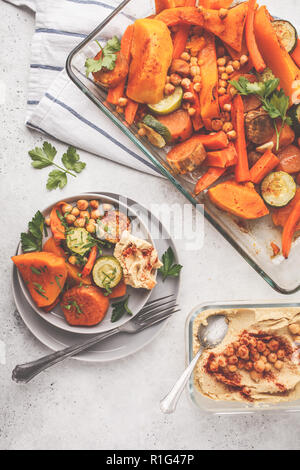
112	406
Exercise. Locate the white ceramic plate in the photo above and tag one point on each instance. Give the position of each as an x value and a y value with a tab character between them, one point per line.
114	348
138	297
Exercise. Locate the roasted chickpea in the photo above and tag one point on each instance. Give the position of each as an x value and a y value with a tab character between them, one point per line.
67	208
281	354
227	127
91	228
222	91
261	347
232	135
229	351
70	219
224	77
186	83
232	368
221	61
72	260
47	221
169	89
233	360
236	65
175	79
142	132
222	361
82	205
195	70
192	111
273	345
122	102
264	359
249	365
255	356
85	214
216	124
268	367
197	87
221	70
278	365
95	214
220	51
294	328
185	56
80	222
259	366
227	107
188	96
214	366
94	204
272	358
243	60
243	352
75	211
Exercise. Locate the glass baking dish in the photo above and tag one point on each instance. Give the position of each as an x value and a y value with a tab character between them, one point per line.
225	407
252	239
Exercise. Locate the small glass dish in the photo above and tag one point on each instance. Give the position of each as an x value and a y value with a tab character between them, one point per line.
252	239
226	407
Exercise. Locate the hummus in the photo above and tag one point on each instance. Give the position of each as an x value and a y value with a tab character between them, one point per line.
139	260
259	359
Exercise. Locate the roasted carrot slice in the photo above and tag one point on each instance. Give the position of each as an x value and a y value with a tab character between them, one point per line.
114	94
254	52
216	141
57	228
263	167
280	216
296	53
90	262
130	111
290	229
215	4
242	173
209	178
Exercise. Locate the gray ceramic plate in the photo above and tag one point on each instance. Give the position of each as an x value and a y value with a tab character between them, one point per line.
114	348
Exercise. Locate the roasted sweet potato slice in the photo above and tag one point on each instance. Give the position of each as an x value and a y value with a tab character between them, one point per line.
85	305
187	156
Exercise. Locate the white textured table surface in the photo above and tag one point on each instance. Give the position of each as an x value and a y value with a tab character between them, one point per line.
112	406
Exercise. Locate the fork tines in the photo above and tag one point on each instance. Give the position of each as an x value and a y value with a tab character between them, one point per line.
157	311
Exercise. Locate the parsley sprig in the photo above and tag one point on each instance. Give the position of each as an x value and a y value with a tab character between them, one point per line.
169	268
119	309
33	240
107	58
275	102
43	157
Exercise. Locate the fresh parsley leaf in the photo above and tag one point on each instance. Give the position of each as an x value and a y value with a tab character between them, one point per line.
56	179
169	268
107	58
42	157
119	309
33	240
71	160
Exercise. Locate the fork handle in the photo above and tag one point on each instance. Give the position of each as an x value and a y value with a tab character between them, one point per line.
25	372
169	403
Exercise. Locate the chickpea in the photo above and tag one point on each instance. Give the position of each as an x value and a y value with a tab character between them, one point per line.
168	79
281	354
255	376
278	365
175	79
232	368
80	222
229	69
94	204
255	356
142	132
236	345
243	352
223	12
119	109
107	207
195	70
197	79
95	214
66	208
186	83
253	342
122	102
192	111
221	61
232	135
222	70
169	89
216	124
214	366
75	211
294	328
70	219
85	214
273	345
222	91
227	107
47	221
229	351
222	83
188	96
91	228
233	91
224	77
227	127
194	61
268	367
82	205
197	87
233	360
259	366
236	65
243	60
72	260
266	352
249	365
264	359
272	358
222	362
185	56
261	347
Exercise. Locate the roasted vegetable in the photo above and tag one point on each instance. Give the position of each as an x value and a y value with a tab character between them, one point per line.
263	167
286	138
215	4
187	156
259	127
150	61
56	222
112	225
209	72
107	273
44	275
280	216
289	159
287	34
118	291
163	4
229	29
85	306
275	56
289	230
242	173
217	141
169	103
179	124
209	178
113	78
222	158
254	52
153	136
51	246
296	54
78	241
278	189
150	121
238	199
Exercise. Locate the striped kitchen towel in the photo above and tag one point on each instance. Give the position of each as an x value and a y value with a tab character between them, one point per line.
55	105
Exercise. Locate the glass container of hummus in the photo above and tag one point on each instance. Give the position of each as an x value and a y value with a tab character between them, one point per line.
256	367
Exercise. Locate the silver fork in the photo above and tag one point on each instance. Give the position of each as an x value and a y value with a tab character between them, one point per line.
154	312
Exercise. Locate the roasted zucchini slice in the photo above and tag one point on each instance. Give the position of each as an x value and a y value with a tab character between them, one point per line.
78	241
150	121
278	189
287	34
107	272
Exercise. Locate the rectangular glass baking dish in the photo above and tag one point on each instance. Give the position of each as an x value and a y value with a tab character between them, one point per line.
224	407
252	239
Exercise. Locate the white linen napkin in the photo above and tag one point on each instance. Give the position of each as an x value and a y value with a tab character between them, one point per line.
55	105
